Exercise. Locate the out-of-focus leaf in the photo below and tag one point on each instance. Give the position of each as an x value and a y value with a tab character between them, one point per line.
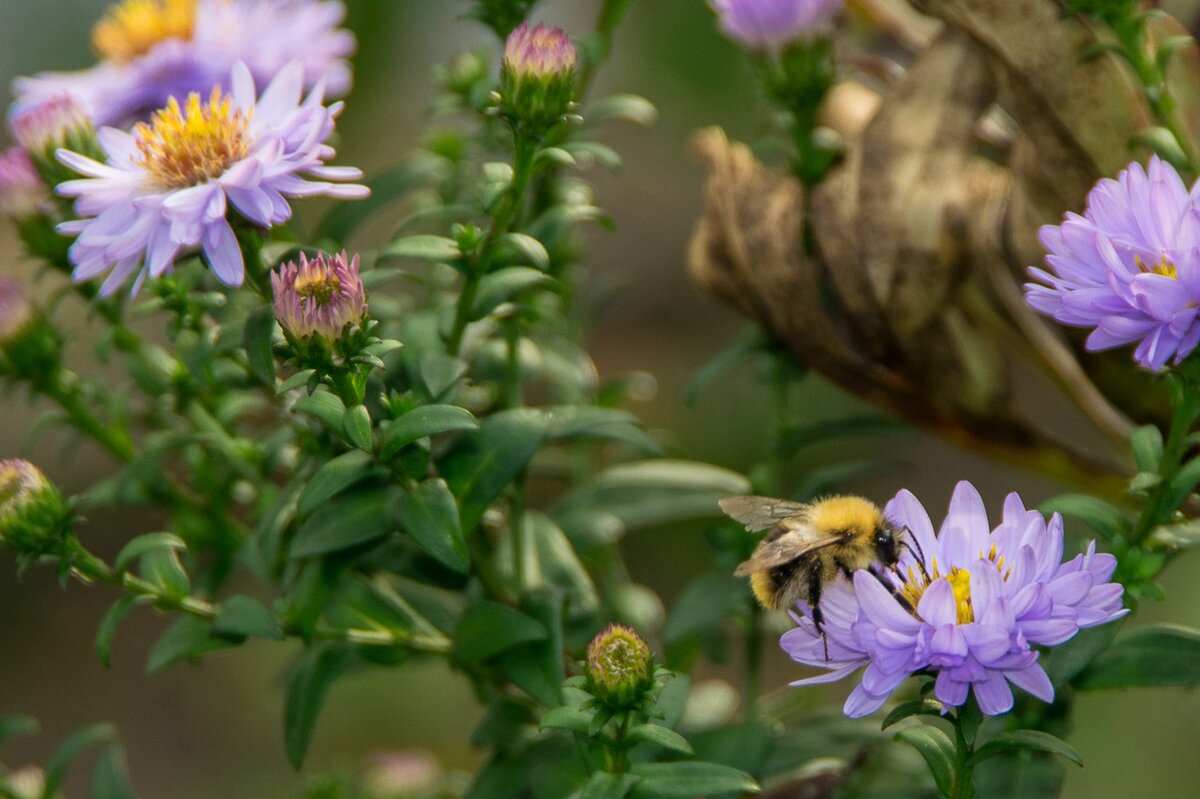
1147	443
242	616
528	249
703	606
938	751
68	750
481	467
627	107
332	478
294	382
348	521
110	779
1065	661
566	422
17	726
108	626
688	779
1165	654
428	420
1102	517
566	718
308	684
488	628
430	515
326	406
1031	740
501	286
386	187
162	568
425	248
259	341
145	543
602	785
188	637
357	424
919	707
1029	775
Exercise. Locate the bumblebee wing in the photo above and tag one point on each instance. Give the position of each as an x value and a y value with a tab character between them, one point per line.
761	513
794	543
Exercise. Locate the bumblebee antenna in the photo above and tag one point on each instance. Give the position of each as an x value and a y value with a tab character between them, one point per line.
917	553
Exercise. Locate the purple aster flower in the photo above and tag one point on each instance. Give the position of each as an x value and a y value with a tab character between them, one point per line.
168	185
319	297
1129	268
772	25
23	193
971	614
155	49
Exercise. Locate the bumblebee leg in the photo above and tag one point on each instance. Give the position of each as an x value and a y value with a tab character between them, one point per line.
814	602
891	588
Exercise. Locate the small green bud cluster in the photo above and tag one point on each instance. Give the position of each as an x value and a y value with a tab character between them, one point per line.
620	668
537	78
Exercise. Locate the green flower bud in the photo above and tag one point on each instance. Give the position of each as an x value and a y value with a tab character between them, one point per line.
29	347
34	518
57	123
537	78
620	667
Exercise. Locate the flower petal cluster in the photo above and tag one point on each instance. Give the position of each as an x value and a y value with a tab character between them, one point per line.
169	186
771	25
539	51
971	614
23	193
155	49
537	76
319	297
1129	267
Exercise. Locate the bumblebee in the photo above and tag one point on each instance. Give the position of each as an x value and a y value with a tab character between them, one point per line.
807	545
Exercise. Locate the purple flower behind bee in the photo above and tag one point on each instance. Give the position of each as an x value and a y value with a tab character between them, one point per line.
772	25
970	613
319	297
1129	268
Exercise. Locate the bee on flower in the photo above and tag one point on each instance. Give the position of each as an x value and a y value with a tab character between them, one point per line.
170	186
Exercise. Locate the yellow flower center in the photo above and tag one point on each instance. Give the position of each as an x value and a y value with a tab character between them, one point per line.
184	147
1164	267
959	579
318	288
133	27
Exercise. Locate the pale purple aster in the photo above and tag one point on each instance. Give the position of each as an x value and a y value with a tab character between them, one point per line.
772	25
539	51
991	595
1129	268
23	193
163	193
265	35
319	297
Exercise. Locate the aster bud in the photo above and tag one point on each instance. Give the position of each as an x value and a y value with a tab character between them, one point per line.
29	346
620	667
537	78
59	122
34	518
16	311
772	25
319	298
23	193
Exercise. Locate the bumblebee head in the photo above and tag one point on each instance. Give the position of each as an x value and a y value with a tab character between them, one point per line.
886	542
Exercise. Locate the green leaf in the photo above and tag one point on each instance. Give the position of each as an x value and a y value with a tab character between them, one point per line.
162	568
1147	443
501	286
110	779
1165	654
481	467
560	565
332	478
242	617
919	707
1183	484
17	726
567	422
428	420
145	543
528	248
1162	141
307	686
1023	774
260	344
488	628
704	606
1031	740
935	746
566	718
295	381
626	107
357	424
348	521
602	785
68	750
108	626
659	736
1102	517
425	248
685	780
430	515
187	638
439	373
1065	661
325	406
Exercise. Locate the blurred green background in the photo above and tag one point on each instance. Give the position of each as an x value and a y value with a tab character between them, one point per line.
195	732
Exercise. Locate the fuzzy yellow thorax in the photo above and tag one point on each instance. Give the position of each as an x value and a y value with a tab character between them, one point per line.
132	28
184	147
846	513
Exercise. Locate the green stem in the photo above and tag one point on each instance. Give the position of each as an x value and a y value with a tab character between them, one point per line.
965	730
1158	507
611	15
64	388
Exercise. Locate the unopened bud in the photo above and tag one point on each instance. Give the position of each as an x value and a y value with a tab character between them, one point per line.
59	122
319	297
34	518
620	667
537	78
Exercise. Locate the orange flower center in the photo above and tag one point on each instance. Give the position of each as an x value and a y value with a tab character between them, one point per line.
183	147
132	28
